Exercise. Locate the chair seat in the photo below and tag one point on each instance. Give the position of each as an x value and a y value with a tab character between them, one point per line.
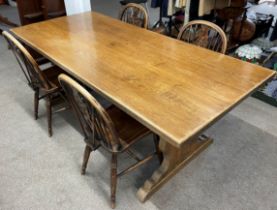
52	74
129	130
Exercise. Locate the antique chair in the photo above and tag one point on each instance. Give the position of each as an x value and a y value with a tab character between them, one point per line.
144	2
44	83
134	14
204	34
110	128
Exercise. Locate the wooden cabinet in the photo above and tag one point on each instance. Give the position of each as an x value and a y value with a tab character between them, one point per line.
31	11
53	8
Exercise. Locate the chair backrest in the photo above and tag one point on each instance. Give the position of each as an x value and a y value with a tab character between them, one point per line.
134	14
204	34
94	120
35	77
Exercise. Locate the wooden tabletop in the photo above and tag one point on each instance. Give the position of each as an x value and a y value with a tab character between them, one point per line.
175	89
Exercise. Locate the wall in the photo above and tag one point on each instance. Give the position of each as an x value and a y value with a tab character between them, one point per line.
77	6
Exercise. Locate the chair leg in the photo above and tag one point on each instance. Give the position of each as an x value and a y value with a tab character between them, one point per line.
85	159
49	114
36	102
156	141
113	178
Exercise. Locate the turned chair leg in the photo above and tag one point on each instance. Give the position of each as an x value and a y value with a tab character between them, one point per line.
113	179
156	141
49	114
36	102
85	159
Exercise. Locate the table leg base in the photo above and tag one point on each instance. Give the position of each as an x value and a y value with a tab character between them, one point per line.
174	160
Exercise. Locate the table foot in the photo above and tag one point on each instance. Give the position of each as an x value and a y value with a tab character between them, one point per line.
174	160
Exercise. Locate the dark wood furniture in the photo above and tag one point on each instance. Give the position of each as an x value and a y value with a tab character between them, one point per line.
53	8
44	83
134	14
31	11
235	23
110	128
204	34
175	89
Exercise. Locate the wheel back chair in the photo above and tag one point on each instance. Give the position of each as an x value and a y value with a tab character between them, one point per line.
110	128
144	2
134	14
204	34
44	83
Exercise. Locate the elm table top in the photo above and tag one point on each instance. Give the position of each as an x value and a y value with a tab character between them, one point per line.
173	88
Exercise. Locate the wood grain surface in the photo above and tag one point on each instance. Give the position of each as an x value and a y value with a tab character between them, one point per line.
175	89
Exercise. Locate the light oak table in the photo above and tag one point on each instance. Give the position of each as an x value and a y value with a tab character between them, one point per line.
175	89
